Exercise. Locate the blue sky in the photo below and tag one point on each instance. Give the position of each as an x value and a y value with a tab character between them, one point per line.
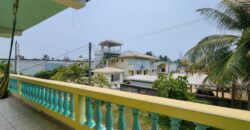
123	20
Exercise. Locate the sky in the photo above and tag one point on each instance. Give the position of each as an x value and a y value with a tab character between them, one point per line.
166	27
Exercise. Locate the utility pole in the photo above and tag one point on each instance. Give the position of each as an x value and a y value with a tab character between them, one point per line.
16	58
90	49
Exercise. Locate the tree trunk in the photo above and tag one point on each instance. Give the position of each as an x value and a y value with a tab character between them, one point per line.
217	91
233	95
248	96
222	93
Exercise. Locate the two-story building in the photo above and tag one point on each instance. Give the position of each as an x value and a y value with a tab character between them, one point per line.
131	62
134	63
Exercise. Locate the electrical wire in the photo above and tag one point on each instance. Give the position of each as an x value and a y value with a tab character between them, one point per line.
164	29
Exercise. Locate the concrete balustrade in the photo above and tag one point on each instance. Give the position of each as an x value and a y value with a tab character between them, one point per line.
73	104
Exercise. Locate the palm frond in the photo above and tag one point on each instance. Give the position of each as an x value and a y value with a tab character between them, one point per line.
240	12
223	20
232	67
211	45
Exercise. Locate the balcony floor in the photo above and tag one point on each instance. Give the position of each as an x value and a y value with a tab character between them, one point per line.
15	115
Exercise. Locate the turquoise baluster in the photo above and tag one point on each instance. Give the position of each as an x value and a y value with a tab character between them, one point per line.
51	107
47	98
136	120
56	106
41	95
89	113
61	110
29	90
10	86
33	92
175	123
36	93
16	86
26	89
23	90
121	119
201	127
39	99
155	119
99	125
66	104
109	117
72	108
44	96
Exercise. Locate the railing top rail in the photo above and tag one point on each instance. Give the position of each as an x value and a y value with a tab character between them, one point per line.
215	116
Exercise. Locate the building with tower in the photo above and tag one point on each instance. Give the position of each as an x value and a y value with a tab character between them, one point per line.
131	62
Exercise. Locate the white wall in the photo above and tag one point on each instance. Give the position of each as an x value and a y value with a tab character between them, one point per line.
141	84
129	64
115	84
31	67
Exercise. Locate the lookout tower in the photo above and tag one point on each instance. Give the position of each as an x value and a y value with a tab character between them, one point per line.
110	48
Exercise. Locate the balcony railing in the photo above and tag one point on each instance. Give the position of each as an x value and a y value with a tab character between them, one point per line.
72	104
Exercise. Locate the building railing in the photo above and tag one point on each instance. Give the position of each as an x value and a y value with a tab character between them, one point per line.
72	104
110	50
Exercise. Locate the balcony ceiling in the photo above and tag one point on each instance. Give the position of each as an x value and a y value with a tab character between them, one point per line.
31	13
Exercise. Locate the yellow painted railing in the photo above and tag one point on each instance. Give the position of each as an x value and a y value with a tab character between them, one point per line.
72	104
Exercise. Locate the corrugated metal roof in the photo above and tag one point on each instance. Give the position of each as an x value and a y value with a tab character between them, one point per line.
136	55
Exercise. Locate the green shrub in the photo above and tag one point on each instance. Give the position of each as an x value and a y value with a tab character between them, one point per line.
175	88
43	74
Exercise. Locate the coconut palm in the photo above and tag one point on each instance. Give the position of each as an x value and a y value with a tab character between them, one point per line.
3	66
225	58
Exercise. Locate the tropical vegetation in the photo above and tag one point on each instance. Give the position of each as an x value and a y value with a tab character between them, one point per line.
224	57
168	86
75	73
3	66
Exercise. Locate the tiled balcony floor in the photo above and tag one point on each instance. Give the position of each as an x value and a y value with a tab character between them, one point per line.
15	115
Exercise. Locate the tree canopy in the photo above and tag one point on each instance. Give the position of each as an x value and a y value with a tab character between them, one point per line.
224	57
169	87
73	73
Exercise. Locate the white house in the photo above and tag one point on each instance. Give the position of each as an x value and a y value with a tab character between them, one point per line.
131	62
147	80
114	75
134	63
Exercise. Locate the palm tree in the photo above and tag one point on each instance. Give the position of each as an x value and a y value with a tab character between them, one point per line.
3	66
225	58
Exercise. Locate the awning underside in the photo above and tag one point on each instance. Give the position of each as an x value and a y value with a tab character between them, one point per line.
31	12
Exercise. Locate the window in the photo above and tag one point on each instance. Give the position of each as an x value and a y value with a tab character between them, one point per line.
145	72
115	77
132	72
138	72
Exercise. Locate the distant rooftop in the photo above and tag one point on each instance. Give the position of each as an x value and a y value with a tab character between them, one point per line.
136	55
110	43
192	79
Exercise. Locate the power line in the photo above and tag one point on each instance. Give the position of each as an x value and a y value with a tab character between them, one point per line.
55	57
164	29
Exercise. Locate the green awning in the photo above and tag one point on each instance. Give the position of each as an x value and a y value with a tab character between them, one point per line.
31	12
